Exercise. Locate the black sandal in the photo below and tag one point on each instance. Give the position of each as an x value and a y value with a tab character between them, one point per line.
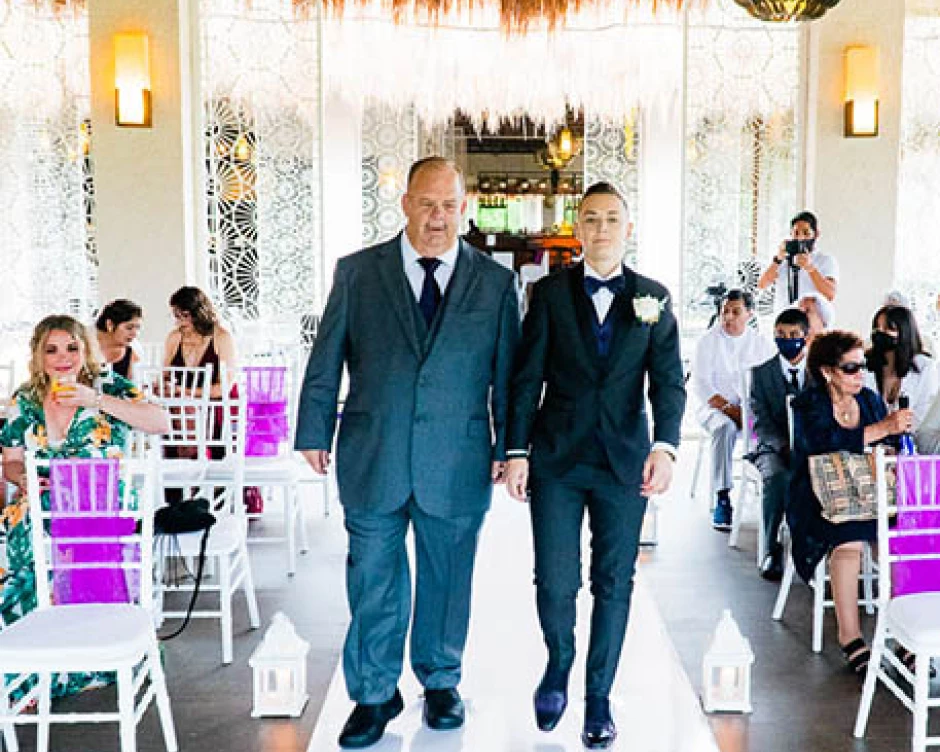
910	661
857	654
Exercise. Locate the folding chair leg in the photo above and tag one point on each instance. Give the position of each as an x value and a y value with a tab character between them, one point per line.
738	515
225	606
44	710
10	743
127	721
784	592
871	680
158	680
302	517
699	457
868	579
921	698
819	599
248	583
290	529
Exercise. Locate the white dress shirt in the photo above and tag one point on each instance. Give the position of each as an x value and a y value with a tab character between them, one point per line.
415	272
786	366
603	299
721	361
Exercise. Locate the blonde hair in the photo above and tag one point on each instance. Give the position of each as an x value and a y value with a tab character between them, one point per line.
39	383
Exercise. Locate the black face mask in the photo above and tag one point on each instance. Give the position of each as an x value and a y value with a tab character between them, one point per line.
882	341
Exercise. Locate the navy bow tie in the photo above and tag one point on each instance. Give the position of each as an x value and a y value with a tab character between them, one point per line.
614	284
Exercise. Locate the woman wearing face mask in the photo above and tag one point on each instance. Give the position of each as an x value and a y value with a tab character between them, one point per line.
898	363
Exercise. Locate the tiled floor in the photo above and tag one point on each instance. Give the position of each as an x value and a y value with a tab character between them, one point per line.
802	702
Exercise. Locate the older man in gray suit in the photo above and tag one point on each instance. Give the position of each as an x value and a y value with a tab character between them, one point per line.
427	327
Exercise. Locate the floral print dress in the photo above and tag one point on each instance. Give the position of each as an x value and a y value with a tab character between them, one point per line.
90	434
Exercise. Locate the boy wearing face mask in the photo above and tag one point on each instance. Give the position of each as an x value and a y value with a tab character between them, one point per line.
783	374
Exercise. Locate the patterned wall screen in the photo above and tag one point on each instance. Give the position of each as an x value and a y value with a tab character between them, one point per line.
917	264
48	253
389	146
611	153
260	74
740	178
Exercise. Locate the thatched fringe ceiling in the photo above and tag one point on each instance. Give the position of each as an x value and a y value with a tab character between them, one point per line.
516	16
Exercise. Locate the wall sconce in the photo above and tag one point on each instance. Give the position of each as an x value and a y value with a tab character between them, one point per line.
861	92
132	106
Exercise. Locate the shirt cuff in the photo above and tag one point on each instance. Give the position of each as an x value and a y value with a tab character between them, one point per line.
667	448
515	454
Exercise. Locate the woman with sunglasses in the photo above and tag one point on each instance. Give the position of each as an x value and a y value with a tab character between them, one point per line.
837	414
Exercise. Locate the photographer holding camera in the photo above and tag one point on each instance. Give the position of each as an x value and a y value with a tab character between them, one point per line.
798	268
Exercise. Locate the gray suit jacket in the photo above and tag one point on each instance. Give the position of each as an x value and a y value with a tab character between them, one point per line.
768	400
426	411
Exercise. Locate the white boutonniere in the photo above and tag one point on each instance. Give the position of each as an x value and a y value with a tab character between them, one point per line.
648	308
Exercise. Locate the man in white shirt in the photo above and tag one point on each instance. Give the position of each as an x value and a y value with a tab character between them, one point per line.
721	358
772	381
798	268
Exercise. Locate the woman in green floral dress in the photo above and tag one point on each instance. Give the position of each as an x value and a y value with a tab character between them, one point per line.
65	409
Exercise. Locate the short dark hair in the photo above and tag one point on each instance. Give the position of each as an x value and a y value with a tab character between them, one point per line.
196	303
603	188
827	350
735	294
808	217
436	162
793	317
902	320
117	312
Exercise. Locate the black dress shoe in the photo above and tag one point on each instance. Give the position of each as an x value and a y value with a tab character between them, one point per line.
772	567
366	724
599	729
550	699
443	709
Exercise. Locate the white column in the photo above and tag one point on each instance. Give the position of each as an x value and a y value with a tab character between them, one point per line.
852	182
145	202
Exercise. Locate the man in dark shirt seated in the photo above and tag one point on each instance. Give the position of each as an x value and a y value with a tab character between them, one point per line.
771	382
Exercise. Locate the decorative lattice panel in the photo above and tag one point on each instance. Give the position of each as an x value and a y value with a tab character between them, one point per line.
389	146
48	252
741	151
260	71
611	152
917	264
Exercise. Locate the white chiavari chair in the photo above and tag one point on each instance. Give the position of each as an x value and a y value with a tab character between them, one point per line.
909	591
94	623
751	497
226	548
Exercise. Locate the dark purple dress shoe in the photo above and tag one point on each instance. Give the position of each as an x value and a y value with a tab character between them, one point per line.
599	729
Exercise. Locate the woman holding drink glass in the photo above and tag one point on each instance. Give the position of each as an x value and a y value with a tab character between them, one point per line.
65	409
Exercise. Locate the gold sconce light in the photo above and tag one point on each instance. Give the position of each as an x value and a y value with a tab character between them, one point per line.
861	92
132	104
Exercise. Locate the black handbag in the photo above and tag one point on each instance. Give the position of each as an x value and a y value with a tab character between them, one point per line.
184	516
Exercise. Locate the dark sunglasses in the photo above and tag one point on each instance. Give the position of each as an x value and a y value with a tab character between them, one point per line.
851	368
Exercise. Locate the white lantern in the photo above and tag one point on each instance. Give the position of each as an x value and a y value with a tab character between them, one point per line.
726	671
279	667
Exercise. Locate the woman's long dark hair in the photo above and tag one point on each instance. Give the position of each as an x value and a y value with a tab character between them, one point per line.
196	303
910	344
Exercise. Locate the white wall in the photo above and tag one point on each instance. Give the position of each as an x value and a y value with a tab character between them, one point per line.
142	176
852	184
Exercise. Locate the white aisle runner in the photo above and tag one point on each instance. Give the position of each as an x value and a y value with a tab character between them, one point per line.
654	705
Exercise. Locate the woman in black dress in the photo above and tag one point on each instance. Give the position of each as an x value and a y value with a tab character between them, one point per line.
838	414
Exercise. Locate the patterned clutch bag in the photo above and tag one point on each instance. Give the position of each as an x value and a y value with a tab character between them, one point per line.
844	483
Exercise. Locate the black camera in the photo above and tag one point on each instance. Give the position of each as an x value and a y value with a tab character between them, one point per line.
796	247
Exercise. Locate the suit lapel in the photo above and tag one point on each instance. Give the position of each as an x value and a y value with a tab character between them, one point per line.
584	316
399	291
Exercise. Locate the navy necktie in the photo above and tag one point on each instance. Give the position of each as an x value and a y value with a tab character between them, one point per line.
614	284
430	292
795	379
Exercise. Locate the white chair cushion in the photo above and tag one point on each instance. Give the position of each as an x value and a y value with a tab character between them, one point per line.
83	636
915	619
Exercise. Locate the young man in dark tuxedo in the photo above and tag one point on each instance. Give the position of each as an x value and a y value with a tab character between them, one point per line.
594	333
783	374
